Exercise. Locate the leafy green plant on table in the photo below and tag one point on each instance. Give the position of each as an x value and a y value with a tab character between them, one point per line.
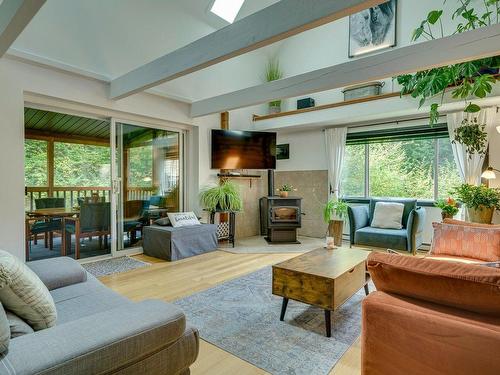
473	136
468	80
448	206
334	208
223	197
478	197
286	187
273	73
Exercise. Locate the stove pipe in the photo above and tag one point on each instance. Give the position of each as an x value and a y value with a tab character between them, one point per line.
270	182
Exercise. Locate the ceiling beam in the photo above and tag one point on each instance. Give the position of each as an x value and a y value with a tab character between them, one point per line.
14	16
276	22
471	45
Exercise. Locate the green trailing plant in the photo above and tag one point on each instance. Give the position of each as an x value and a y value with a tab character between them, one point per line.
473	136
286	187
273	73
468	80
448	206
334	208
478	197
225	197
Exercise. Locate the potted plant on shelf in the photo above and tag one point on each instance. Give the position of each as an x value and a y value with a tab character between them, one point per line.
449	207
273	73
481	201
284	190
222	197
334	214
467	80
473	136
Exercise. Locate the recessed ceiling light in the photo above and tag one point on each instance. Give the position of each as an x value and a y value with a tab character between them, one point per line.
227	9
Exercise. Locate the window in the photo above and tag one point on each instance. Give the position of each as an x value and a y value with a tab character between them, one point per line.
81	165
35	160
227	9
140	166
417	163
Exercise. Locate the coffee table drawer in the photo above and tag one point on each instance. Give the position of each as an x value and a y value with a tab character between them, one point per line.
347	284
303	287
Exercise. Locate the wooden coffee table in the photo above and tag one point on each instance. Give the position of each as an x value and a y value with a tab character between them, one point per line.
323	278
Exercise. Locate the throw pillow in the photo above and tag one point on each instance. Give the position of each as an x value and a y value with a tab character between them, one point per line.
4	331
18	327
183	219
23	293
163	221
388	215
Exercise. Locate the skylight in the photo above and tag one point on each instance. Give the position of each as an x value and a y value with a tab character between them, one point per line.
227	9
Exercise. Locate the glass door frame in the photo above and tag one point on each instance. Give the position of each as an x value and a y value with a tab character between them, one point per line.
116	183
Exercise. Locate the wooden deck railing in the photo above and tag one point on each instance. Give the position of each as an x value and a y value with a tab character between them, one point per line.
71	194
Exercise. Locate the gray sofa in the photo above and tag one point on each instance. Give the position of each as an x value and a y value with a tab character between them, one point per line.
409	238
169	243
100	332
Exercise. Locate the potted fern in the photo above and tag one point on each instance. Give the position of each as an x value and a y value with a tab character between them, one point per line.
273	73
334	214
222	197
481	201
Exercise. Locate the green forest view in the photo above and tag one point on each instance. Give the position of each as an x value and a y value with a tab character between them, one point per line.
401	169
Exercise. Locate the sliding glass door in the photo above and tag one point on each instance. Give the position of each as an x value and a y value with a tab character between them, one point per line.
148	179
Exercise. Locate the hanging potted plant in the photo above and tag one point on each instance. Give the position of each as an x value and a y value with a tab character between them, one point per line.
223	197
473	136
284	190
481	201
273	73
334	214
468	80
449	207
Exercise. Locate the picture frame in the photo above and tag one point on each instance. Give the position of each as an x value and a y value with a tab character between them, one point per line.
283	151
373	29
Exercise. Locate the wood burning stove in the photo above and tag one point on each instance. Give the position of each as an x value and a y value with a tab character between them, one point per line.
280	218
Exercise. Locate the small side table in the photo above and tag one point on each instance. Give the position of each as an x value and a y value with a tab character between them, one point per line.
226	229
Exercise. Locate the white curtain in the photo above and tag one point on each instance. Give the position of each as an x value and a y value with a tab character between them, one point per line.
335	139
470	168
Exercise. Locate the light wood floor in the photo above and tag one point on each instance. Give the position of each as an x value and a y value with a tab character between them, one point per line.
170	281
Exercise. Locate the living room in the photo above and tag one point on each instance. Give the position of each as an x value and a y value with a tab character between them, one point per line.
295	184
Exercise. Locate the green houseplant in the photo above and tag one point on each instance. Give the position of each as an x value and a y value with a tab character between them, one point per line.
222	197
473	136
449	207
481	201
468	80
284	190
273	73
334	214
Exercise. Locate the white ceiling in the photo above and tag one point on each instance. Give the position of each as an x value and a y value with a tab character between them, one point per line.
108	38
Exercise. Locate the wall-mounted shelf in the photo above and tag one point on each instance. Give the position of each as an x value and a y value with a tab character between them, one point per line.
326	106
228	175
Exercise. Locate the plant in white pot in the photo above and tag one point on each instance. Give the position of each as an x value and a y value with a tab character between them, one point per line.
334	214
480	201
273	73
225	196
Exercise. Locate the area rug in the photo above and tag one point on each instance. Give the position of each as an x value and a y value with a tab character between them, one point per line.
258	245
115	265
241	317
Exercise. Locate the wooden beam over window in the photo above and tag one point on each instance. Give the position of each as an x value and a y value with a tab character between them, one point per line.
269	25
14	17
471	45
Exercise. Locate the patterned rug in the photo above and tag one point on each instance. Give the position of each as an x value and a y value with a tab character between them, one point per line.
241	316
115	265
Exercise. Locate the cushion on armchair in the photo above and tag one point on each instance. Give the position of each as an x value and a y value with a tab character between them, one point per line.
388	215
469	241
465	286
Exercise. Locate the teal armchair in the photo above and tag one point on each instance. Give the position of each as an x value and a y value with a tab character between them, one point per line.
409	238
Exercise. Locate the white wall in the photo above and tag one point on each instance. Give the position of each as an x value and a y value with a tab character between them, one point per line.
19	80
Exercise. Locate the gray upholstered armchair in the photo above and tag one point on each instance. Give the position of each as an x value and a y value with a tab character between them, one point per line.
409	238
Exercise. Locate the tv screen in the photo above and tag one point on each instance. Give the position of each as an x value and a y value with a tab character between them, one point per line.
234	149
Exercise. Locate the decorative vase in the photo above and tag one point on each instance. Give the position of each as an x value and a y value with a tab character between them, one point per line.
482	215
335	230
283	194
446	215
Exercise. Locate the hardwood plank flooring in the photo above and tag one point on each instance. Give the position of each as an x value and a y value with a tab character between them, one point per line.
170	281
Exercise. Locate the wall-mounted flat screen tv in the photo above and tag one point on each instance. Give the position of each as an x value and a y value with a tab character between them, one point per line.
234	149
